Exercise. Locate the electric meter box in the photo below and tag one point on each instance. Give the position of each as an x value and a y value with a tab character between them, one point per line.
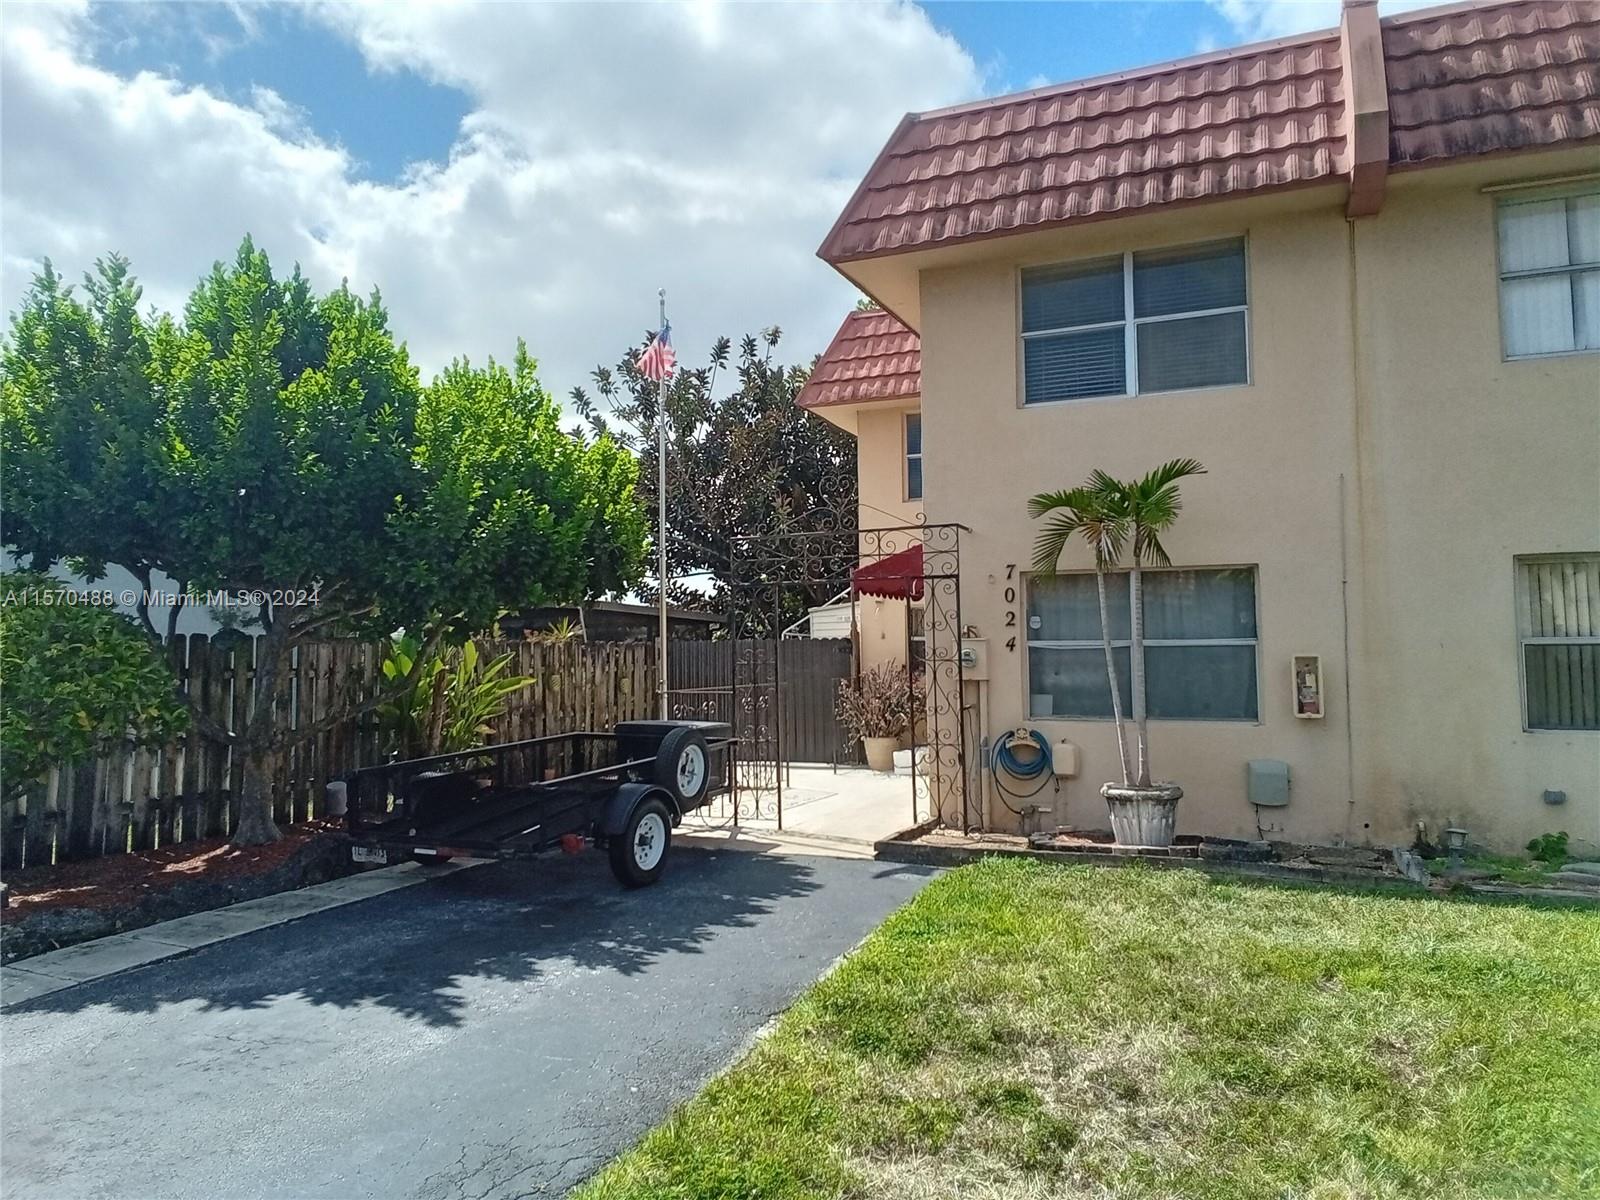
1308	705
974	659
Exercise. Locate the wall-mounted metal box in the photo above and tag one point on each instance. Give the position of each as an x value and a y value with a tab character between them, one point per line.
1266	782
1064	755
1308	704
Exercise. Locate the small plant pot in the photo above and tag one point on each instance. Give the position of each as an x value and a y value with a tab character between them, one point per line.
880	753
1143	816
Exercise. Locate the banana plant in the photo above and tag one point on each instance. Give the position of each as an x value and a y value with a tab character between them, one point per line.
452	704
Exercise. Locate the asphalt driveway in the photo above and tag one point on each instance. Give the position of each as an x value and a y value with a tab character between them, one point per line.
500	1032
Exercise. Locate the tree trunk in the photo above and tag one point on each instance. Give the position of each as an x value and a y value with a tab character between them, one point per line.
258	744
1111	675
1141	721
256	827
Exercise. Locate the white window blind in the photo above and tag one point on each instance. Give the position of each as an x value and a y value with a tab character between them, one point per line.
1152	321
1558	628
1550	275
1200	645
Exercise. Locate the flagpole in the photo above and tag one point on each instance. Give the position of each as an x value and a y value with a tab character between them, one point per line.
661	522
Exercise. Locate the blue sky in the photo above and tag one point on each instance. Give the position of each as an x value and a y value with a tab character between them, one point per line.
518	170
388	119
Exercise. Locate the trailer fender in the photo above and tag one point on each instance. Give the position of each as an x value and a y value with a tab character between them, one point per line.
628	797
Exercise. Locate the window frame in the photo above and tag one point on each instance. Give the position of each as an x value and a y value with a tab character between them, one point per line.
915	610
1518	595
1510	197
1130	324
906	456
1029	643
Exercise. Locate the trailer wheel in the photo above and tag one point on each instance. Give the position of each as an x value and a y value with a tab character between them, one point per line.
640	851
683	767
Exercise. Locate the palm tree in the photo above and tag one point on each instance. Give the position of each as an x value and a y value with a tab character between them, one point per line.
1152	505
1095	513
1109	514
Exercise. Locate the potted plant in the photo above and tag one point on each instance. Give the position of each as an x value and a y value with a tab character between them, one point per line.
1109	515
879	708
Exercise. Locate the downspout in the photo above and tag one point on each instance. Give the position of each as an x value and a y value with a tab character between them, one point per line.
1366	113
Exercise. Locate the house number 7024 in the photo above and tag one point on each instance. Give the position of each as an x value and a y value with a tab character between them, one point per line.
1011	605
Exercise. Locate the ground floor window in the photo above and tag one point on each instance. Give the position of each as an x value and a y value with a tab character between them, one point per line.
1558	628
1200	645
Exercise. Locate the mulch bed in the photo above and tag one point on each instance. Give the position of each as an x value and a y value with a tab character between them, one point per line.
50	907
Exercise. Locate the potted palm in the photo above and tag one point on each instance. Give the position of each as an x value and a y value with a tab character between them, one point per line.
1111	516
879	708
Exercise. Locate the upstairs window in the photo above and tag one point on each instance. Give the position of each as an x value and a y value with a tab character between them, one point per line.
1152	321
1550	275
913	456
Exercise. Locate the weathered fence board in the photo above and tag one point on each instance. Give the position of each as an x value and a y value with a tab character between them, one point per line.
140	798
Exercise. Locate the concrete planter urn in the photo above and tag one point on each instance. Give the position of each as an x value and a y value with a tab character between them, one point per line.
880	752
1143	816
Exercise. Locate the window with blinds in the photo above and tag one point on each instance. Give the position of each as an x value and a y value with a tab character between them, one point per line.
1199	649
1550	274
914	456
1558	628
1152	321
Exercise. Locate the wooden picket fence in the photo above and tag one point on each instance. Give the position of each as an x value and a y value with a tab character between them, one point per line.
145	798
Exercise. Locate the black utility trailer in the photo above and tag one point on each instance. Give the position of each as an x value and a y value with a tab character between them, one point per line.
625	790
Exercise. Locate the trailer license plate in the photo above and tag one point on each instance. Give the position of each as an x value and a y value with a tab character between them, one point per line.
368	854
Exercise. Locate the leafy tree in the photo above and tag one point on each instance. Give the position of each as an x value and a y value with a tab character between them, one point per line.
278	441
747	470
77	677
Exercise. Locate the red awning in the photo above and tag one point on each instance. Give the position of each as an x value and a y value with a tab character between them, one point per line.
897	577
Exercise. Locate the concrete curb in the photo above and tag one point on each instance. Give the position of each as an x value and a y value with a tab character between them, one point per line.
761	841
88	961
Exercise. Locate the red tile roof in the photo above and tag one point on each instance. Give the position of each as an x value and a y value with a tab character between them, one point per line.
1488	80
1268	116
872	357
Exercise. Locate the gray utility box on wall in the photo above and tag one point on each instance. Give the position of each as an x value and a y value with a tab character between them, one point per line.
1266	782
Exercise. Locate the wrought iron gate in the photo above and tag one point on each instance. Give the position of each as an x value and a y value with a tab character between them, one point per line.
776	577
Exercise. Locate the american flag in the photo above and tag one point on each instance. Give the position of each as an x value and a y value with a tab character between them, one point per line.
658	361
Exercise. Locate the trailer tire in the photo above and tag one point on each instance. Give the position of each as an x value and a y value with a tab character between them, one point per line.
683	767
639	852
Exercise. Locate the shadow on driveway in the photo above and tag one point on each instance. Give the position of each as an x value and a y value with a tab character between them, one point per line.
412	951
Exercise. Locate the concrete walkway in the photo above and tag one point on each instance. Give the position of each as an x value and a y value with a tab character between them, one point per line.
851	804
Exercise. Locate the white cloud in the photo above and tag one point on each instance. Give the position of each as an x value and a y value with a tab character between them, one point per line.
1259	20
610	151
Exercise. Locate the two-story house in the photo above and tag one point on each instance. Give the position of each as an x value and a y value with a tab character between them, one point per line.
1356	273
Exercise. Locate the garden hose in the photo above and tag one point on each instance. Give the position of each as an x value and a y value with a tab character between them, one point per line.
1002	757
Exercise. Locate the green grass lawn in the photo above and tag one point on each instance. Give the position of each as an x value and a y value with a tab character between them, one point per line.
1023	1031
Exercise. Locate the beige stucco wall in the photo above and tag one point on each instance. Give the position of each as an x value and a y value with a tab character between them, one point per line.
880	459
1467	461
1382	505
